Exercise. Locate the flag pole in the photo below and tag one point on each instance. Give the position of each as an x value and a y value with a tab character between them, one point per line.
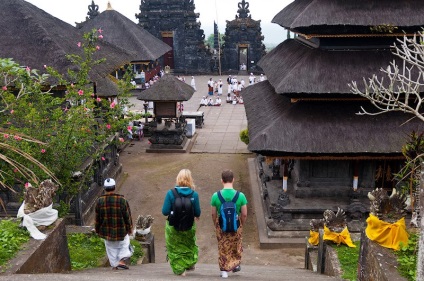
219	41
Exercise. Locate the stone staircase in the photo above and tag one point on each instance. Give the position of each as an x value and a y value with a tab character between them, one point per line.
162	271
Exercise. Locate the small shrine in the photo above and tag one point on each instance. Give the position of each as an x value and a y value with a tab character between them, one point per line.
175	23
167	130
243	42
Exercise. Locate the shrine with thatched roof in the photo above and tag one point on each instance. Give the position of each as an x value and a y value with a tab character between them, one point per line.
167	130
121	31
35	38
304	119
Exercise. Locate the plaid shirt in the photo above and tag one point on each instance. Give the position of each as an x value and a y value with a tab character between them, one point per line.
113	217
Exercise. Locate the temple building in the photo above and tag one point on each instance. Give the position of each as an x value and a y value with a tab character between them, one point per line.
243	42
35	39
175	23
304	119
121	31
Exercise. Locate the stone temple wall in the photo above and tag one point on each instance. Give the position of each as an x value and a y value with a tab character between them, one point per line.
178	20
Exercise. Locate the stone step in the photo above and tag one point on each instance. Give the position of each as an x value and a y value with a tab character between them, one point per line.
162	271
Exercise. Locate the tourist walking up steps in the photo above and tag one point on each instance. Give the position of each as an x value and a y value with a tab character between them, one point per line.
182	206
114	224
229	214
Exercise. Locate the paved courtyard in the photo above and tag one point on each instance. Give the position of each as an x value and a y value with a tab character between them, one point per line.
221	130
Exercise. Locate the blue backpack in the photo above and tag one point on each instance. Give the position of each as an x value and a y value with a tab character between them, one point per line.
228	218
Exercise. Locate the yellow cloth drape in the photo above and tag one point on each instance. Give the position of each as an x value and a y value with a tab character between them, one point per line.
313	237
342	237
386	234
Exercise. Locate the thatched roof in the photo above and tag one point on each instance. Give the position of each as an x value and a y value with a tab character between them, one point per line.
123	32
278	127
35	38
350	16
167	88
295	69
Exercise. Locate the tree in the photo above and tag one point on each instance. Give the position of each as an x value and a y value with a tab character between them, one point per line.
210	40
402	92
67	135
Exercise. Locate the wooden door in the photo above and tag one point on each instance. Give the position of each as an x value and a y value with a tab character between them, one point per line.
169	56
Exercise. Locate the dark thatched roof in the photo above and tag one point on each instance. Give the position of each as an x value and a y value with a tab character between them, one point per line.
278	127
350	16
35	38
123	32
167	88
296	70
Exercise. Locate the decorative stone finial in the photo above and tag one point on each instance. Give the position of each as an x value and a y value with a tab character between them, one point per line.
243	10
109	6
93	10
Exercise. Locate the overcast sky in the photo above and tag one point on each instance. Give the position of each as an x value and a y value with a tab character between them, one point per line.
72	11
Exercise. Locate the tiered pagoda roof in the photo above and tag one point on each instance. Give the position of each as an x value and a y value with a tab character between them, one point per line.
322	130
306	109
330	17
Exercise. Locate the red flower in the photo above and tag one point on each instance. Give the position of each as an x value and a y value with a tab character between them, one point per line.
6	136
43	150
97	48
99	99
121	140
12	111
79	44
108	126
4	88
80	92
100	30
18	138
103	159
112	105
101	36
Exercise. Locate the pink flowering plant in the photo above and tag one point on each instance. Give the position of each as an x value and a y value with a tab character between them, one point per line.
66	123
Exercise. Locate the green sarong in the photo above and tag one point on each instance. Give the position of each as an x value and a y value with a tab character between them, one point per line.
181	248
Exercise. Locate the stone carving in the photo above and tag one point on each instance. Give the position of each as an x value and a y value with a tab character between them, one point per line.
387	208
93	10
243	39
243	10
336	222
175	23
39	198
142	227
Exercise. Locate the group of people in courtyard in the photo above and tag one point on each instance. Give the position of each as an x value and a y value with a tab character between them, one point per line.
114	224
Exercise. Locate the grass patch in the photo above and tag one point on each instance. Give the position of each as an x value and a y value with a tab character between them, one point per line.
88	251
407	257
348	258
12	237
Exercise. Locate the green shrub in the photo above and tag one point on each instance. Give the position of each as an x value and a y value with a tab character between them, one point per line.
244	136
88	251
348	258
407	258
12	237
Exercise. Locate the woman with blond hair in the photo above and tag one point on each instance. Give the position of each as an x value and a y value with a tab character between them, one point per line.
182	206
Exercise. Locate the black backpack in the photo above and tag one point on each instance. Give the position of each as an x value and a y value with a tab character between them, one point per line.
228	218
182	212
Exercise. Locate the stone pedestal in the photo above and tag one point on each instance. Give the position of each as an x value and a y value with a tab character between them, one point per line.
149	249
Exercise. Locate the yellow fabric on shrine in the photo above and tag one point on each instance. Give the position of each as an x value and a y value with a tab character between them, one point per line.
342	237
386	234
313	237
